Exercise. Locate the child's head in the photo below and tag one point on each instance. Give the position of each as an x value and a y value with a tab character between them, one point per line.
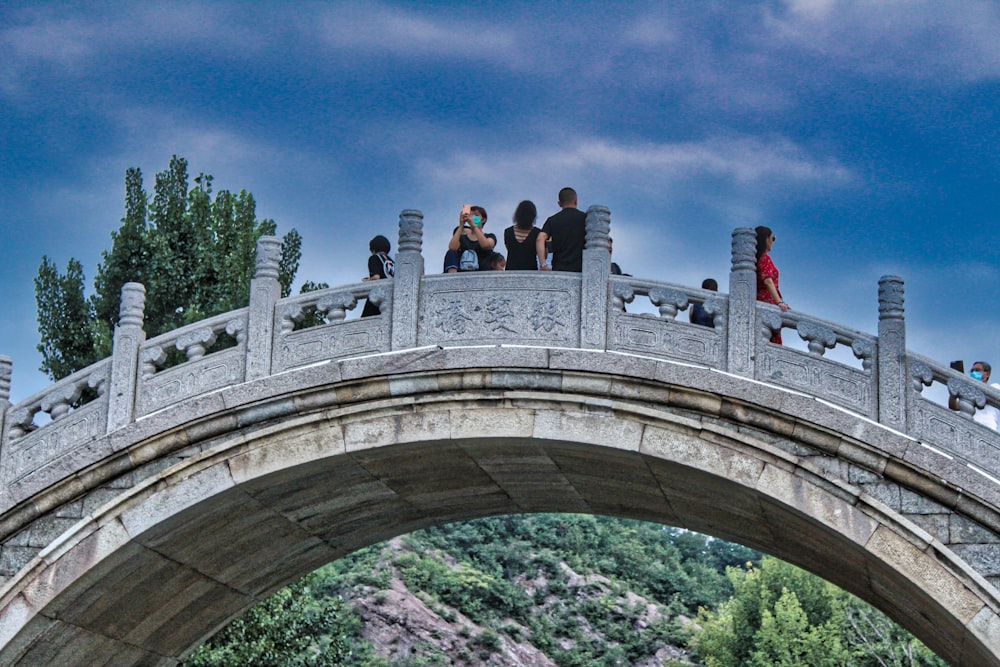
379	244
498	262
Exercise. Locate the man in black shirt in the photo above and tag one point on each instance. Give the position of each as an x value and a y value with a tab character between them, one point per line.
568	230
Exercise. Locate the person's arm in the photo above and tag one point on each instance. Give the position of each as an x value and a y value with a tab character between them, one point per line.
769	284
456	239
540	251
485	242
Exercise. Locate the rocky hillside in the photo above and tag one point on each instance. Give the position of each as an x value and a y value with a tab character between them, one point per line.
404	625
531	591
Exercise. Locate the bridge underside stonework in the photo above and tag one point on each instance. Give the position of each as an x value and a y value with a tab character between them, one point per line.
212	503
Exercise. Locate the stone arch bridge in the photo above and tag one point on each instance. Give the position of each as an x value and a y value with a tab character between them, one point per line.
135	524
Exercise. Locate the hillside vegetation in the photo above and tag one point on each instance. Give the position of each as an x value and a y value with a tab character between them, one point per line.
562	591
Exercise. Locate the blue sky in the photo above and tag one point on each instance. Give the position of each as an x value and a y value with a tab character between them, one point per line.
863	133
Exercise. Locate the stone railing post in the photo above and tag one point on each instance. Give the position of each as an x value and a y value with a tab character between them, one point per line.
265	290
892	385
406	281
741	334
128	338
6	368
596	271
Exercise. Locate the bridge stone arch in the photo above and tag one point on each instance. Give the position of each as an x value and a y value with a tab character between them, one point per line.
146	538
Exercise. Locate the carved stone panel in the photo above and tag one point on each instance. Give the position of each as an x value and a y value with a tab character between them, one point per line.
475	309
331	341
956	434
670	339
55	450
826	379
193	378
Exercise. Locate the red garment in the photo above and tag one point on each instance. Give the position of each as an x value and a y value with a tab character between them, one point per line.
767	269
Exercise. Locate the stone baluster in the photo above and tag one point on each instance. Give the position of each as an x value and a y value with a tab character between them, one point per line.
128	339
6	369
741	328
596	274
406	282
265	290
894	396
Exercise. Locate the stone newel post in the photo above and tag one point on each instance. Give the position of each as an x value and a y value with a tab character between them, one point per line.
265	290
596	271
741	343
128	338
891	369
406	282
6	367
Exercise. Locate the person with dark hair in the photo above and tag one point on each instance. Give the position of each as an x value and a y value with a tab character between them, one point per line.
470	247
697	314
497	262
568	230
380	267
768	290
520	238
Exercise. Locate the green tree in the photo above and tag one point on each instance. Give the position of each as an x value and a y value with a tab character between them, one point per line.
65	319
292	628
194	255
780	616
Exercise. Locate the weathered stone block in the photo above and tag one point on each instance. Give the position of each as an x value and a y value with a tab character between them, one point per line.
588	428
926	571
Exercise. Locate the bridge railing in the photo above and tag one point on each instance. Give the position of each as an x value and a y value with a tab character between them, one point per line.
853	388
587	310
665	335
953	431
201	369
314	326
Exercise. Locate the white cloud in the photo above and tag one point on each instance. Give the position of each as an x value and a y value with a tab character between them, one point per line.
913	39
741	161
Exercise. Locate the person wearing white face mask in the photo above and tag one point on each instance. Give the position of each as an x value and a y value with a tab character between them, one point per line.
989	415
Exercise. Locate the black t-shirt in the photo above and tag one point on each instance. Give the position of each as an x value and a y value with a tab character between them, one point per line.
380	265
568	231
465	243
521	256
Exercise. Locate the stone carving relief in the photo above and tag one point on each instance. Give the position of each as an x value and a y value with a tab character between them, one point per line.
546	315
6	367
819	337
864	349
621	294
452	318
920	375
193	343
267	263
770	323
335	306
520	314
598	228
500	315
411	231
968	395
744	249
890	297
669	301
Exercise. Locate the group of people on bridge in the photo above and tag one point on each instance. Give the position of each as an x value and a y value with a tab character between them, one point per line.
558	246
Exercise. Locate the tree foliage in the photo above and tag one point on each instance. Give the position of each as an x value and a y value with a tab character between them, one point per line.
781	616
194	255
292	628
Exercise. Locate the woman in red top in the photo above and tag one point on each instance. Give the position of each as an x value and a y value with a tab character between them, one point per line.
767	275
